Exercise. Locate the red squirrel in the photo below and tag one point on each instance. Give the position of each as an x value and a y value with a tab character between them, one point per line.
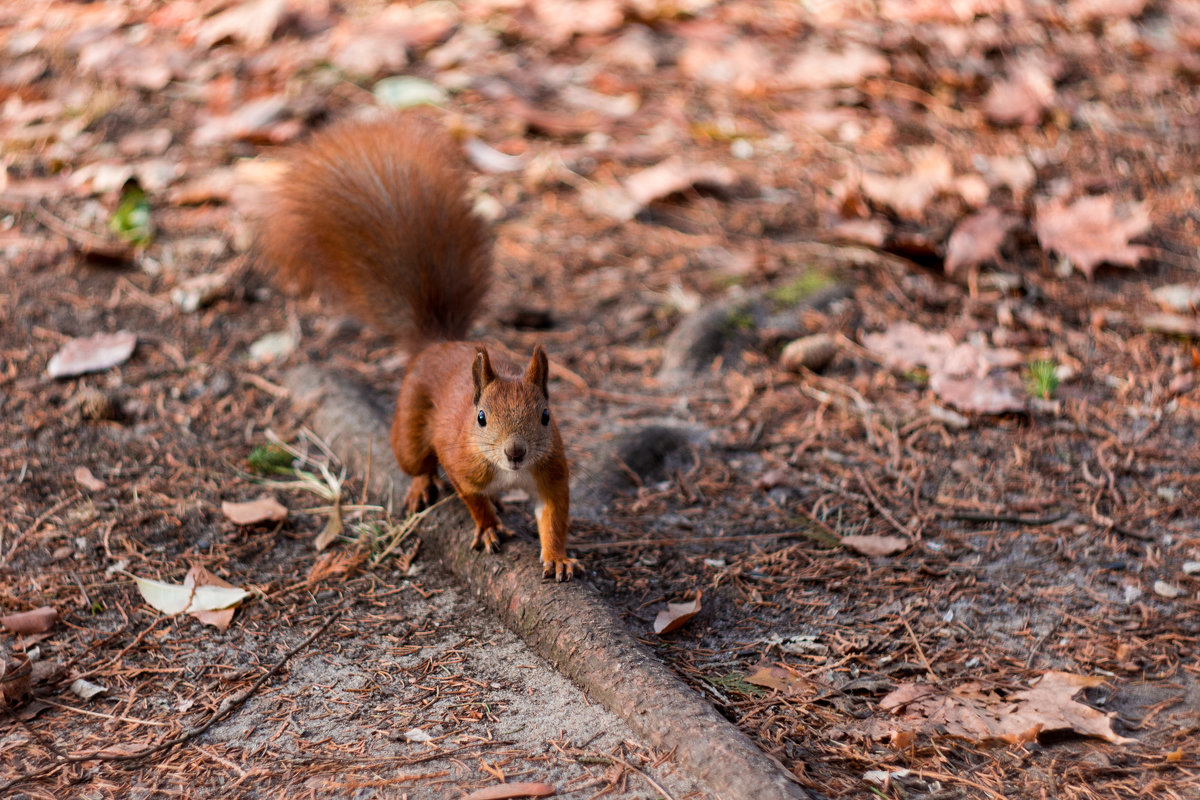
374	215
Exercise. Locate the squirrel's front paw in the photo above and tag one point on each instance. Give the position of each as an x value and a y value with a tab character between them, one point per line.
489	538
560	568
421	494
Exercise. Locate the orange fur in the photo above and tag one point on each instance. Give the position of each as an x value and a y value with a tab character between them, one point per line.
374	214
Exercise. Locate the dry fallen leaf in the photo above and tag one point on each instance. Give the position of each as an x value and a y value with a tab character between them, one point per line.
1000	393
85	689
906	345
1089	232
961	374
977	239
14	680
85	478
772	677
505	791
819	68
908	195
1180	298
655	183
252	512
872	545
1048	705
92	354
220	618
970	712
676	615
1023	97
1172	324
252	23
194	596
744	64
1015	172
676	175
39	620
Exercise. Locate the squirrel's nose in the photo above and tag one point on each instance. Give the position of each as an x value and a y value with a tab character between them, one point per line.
515	451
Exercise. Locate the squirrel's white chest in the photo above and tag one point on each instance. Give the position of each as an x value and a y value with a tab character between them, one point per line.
504	480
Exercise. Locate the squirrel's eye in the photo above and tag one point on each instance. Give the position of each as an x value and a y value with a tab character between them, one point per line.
545	416
482	420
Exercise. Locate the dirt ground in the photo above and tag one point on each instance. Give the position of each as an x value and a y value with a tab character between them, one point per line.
678	191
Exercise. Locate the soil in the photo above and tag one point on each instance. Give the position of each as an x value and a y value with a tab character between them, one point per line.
1061	536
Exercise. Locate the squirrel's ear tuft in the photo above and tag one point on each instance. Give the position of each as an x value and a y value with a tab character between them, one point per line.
481	372
539	371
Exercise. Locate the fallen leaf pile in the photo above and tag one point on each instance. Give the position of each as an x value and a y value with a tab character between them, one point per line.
970	377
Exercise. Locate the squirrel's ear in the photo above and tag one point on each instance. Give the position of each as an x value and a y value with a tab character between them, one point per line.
481	372
539	371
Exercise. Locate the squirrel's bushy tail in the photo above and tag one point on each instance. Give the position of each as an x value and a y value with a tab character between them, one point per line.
375	215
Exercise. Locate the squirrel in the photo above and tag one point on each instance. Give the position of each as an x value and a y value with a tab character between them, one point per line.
374	215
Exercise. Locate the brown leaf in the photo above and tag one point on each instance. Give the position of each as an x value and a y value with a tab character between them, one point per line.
1173	324
1086	11
379	43
504	791
908	195
253	24
969	712
977	239
676	175
873	545
252	512
1049	706
676	615
39	620
819	68
656	183
1089	232
906	345
85	478
773	677
92	354
871	232
1015	172
963	375
14	680
980	394
199	576
1023	98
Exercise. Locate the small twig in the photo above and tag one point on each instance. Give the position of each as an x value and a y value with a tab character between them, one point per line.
671	542
226	708
880	507
920	651
1012	519
85	712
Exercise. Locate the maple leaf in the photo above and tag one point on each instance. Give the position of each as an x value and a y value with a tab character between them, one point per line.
1089	232
977	239
970	712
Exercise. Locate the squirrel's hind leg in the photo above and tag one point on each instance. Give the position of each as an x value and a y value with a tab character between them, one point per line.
414	453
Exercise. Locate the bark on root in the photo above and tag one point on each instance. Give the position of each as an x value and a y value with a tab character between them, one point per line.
568	624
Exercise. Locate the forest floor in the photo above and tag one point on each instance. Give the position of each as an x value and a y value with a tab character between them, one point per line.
958	557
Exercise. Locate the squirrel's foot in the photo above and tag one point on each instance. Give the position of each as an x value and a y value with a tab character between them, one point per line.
560	568
488	539
421	494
